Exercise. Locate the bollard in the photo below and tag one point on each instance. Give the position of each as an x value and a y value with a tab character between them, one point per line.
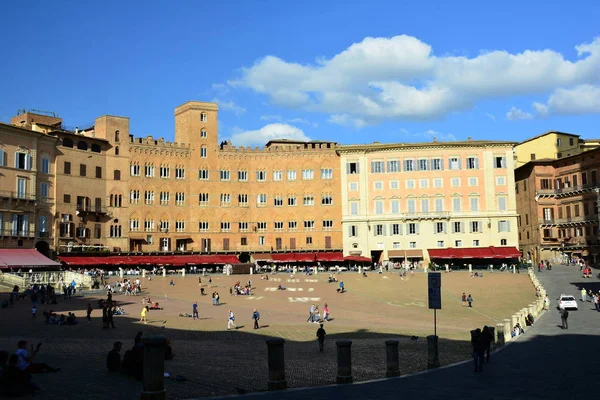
251	271
470	267
154	368
514	320
164	272
524	312
540	305
392	359
183	272
433	355
531	309
143	273
500	334
276	364
121	273
344	361
507	330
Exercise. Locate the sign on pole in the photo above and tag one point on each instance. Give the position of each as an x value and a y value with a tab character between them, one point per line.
435	290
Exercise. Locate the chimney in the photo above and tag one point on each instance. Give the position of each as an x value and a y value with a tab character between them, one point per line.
76	130
470	139
434	139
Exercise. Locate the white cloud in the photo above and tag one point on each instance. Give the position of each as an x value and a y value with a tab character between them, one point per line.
516	114
491	116
229	106
428	135
270	118
401	78
289	120
221	88
581	99
268	132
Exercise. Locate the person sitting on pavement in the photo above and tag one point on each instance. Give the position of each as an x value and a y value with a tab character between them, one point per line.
113	360
25	361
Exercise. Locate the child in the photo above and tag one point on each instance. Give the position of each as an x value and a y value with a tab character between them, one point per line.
33	312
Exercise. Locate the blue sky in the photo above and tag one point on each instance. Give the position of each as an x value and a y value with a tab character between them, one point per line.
347	71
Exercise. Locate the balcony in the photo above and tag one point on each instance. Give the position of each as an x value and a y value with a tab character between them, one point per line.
16	233
546	221
582	219
45	200
6	194
567	191
81	209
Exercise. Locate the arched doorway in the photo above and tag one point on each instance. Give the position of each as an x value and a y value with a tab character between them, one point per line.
44	248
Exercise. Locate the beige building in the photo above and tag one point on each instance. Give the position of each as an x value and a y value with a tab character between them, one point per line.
118	192
405	201
27	188
552	145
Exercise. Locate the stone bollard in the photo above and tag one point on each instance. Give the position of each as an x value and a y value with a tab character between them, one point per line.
251	271
531	309
540	305
507	330
524	312
183	272
154	368
514	269
143	273
203	271
433	355
344	361
121	273
514	320
164	272
392	358
276	364
499	334
470	267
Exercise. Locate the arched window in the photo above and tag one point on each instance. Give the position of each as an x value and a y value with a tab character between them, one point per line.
112	200
119	200
96	148
203	117
116	136
67	142
117	176
117	151
82	145
203	133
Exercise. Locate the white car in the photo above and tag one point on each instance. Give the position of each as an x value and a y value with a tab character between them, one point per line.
567	302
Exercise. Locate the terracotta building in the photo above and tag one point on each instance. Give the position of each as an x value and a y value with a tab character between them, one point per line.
558	200
118	192
429	201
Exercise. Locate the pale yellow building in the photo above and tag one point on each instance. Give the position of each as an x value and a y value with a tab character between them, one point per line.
552	145
400	201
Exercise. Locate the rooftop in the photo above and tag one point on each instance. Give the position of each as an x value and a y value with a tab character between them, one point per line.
548	133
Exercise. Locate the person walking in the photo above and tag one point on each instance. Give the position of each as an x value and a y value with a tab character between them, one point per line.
470	300
195	311
311	314
325	312
547	303
583	294
142	315
464	300
479	344
564	316
256	317
321	338
88	312
230	320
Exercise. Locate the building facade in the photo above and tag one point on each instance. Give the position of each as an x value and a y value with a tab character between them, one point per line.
118	192
400	200
552	145
27	184
558	205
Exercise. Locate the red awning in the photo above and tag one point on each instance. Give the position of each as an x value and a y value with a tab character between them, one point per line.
506	252
16	258
472	252
176	261
441	253
283	257
334	256
305	257
358	259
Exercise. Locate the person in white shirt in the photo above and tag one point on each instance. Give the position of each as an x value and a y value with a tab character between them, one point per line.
230	320
25	362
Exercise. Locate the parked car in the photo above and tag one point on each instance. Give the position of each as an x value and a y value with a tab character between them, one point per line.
567	302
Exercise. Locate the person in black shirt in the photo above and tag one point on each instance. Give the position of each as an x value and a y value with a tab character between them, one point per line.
321	337
113	360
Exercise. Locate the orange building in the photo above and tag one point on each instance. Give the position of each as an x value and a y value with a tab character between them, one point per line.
118	192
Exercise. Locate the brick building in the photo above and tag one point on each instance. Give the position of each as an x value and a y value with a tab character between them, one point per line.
558	200
118	192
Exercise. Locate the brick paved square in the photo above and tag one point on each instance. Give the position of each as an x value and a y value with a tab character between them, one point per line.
217	362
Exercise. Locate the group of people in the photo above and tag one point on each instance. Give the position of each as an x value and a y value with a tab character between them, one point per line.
314	315
16	370
467	300
592	297
51	318
238	290
481	341
127	287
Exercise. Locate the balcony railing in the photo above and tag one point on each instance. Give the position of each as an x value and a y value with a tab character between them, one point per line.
45	200
92	209
581	218
577	188
7	194
546	221
17	233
